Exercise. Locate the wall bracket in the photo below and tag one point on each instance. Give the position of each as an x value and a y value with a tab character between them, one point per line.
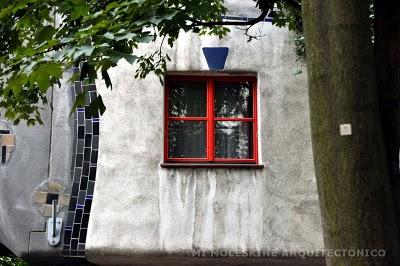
54	226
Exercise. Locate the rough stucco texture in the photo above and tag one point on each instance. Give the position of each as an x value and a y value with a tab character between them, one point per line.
27	168
140	208
22	226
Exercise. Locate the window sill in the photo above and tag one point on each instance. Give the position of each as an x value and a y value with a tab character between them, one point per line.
212	165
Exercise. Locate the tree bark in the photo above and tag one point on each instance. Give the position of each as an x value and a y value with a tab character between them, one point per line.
352	178
387	61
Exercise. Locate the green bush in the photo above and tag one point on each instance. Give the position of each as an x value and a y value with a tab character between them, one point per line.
12	261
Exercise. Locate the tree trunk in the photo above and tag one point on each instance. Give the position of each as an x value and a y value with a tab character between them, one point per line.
387	61
352	178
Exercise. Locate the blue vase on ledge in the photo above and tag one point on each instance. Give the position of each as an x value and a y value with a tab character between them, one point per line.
216	57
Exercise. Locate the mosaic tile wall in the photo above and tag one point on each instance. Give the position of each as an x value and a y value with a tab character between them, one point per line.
83	172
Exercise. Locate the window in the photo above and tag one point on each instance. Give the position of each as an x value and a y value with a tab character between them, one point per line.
210	119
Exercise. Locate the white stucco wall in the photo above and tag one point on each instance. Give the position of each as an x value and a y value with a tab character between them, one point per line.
140	208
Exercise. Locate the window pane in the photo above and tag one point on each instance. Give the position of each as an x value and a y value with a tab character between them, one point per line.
233	99
187	98
186	139
234	140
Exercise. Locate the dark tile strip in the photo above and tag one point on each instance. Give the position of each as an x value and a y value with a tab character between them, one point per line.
83	171
3	154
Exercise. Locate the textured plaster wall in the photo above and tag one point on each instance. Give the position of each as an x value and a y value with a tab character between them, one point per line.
26	169
141	209
22	226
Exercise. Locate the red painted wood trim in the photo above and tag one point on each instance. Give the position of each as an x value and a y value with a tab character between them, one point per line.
210	120
211	165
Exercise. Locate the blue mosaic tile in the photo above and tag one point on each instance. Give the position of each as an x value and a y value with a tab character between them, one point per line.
95	142
84	181
74	244
75	189
95	128
93	95
82	236
81	197
75	230
83	171
77	174
92	87
88	114
78	87
85	220
88	140
72	204
89	197
93	159
70	220
79	160
81	118
92	173
81	132
78	216
88	126
90	189
88	206
80	145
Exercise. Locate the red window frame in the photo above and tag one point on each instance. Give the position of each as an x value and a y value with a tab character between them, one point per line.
210	119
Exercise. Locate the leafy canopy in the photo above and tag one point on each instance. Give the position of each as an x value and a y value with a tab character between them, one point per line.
43	38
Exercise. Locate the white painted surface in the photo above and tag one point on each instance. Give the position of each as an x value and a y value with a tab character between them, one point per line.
141	209
345	129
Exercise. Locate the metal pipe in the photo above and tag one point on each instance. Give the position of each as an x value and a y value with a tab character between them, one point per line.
54	218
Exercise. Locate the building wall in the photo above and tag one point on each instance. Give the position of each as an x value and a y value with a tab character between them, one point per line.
39	164
140	209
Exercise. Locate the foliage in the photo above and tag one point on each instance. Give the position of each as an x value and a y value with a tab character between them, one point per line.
43	38
12	261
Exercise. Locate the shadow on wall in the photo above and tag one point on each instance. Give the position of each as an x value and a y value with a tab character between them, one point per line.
4	251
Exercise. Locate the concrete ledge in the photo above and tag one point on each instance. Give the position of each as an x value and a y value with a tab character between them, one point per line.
201	261
211	165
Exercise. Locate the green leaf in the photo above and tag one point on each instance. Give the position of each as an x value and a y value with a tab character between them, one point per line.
80	9
125	36
86	50
115	56
45	34
79	102
16	82
44	74
97	105
106	78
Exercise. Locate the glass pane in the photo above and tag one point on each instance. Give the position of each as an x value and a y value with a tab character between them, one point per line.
233	99
234	140
187	98
186	139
